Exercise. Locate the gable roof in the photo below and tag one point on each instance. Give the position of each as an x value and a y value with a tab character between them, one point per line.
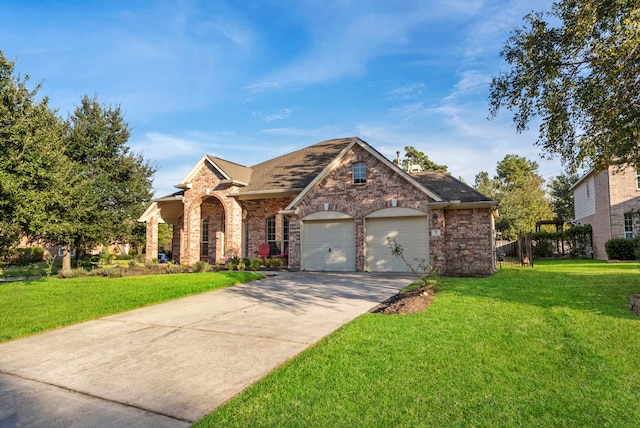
294	171
449	188
298	172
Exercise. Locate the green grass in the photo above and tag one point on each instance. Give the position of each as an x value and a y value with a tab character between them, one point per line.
32	306
36	269
551	346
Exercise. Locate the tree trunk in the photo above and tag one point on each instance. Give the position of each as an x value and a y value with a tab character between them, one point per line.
66	258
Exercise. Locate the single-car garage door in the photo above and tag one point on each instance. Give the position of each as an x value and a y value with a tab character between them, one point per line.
328	245
411	232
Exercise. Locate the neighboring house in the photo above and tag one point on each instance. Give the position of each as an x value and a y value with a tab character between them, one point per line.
327	207
609	201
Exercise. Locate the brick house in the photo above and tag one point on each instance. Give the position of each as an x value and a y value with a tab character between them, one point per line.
609	201
328	207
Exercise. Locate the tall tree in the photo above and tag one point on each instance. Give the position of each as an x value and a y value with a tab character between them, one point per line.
577	69
118	181
412	156
34	173
561	196
519	189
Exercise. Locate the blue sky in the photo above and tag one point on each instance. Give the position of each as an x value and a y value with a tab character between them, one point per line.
250	80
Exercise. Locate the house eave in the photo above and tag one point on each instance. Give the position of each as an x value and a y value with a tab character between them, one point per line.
233	182
458	205
267	194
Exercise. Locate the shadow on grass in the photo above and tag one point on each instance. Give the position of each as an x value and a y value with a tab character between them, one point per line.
597	287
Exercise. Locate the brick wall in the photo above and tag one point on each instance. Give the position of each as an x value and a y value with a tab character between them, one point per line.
358	200
206	187
468	242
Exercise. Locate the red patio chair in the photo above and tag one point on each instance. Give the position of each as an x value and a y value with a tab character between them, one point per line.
284	255
264	250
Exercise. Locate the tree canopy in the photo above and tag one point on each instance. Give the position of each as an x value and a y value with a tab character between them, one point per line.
577	70
413	156
562	196
519	189
72	182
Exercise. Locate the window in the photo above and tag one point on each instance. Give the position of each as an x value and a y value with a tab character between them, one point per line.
359	173
628	226
271	235
638	179
277	234
204	243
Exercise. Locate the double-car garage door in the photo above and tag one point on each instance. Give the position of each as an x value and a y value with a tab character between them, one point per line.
329	244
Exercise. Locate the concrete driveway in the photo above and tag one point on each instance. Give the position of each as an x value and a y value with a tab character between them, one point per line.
170	364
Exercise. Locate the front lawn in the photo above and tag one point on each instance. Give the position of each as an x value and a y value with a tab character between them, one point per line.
28	307
551	346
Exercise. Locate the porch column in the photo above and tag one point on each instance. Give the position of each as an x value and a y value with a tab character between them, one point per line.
152	239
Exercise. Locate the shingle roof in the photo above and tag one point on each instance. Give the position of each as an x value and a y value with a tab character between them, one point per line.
294	170
448	187
235	171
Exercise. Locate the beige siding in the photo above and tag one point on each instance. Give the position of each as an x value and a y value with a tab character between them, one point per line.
584	199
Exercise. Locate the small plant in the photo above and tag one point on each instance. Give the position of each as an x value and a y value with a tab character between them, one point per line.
105	257
241	266
255	264
216	267
421	272
72	273
149	264
133	263
110	272
232	265
201	266
276	263
266	263
176	268
235	259
49	259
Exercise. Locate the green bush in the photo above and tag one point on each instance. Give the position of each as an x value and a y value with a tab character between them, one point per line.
110	272
255	263
276	263
201	266
26	256
171	268
621	249
125	257
73	273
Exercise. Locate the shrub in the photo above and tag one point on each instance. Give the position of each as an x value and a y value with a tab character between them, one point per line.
255	264
232	265
276	263
149	264
110	272
621	249
125	257
133	263
26	256
201	266
175	268
241	266
72	273
267	263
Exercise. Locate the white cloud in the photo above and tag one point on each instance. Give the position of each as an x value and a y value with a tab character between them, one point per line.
158	146
270	117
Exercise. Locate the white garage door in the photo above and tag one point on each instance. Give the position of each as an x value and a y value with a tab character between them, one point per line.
329	245
410	232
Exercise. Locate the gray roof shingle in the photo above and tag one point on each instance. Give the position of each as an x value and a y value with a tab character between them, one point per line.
295	170
448	187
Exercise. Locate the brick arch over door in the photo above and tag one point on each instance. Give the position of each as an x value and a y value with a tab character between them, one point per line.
212	238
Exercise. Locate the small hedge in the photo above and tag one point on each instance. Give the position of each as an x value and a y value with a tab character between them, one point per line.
621	249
